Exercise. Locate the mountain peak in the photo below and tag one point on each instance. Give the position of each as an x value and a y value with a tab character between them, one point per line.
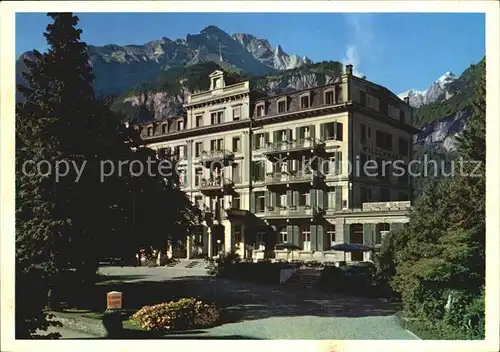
212	30
436	91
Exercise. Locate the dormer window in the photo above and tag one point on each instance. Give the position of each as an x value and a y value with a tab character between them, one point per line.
329	97
164	128
260	110
236	113
150	131
180	125
282	106
304	101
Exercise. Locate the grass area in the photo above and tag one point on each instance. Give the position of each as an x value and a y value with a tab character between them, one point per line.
426	332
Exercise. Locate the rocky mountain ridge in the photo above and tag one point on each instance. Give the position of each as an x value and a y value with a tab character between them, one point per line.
118	68
436	91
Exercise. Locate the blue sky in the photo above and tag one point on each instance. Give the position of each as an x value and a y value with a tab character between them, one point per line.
399	50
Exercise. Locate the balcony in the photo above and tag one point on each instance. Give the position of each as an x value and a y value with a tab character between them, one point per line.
280	178
292	211
299	145
216	156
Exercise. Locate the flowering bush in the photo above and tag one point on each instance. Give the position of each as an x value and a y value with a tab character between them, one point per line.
183	314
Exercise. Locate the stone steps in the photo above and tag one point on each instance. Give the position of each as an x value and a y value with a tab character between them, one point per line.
305	278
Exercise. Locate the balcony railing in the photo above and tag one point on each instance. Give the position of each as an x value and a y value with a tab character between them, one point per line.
295	145
290	211
292	177
216	155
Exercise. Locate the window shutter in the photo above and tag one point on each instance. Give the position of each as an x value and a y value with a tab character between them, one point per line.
314	241
254	141
289	197
267	199
297	133
320	237
334	130
347	236
289	134
368	234
338	198
273	199
296	238
313	198
275	136
339	157
312	130
262	171
252	202
339	131
266	138
295	198
320	199
289	233
322	131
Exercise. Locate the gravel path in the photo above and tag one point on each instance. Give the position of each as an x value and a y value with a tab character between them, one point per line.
280	312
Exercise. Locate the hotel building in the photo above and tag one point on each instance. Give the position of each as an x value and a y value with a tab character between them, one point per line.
266	169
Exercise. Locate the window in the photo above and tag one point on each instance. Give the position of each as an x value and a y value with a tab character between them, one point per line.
401	116
198	175
164	128
258	171
236	144
383	140
199	120
260	110
362	163
363	134
236	113
393	112
237	234
304	102
283	236
236	173
369	193
362	194
332	130
306	239
259	239
330	199
330	236
304	199
403	146
198	148
235	204
217	117
282	199
362	98
150	131
180	125
198	202
260	140
216	144
329	97
282	106
372	102
260	202
369	132
403	179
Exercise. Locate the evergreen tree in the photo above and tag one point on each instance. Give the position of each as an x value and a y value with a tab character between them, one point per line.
440	258
59	220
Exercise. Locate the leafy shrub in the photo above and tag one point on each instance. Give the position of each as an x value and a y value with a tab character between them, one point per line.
186	313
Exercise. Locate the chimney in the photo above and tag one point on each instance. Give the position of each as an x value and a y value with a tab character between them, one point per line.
407	100
348	70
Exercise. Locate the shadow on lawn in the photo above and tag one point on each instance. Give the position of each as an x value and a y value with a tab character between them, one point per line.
237	300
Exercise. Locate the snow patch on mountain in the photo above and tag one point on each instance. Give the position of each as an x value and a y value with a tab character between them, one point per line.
437	91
